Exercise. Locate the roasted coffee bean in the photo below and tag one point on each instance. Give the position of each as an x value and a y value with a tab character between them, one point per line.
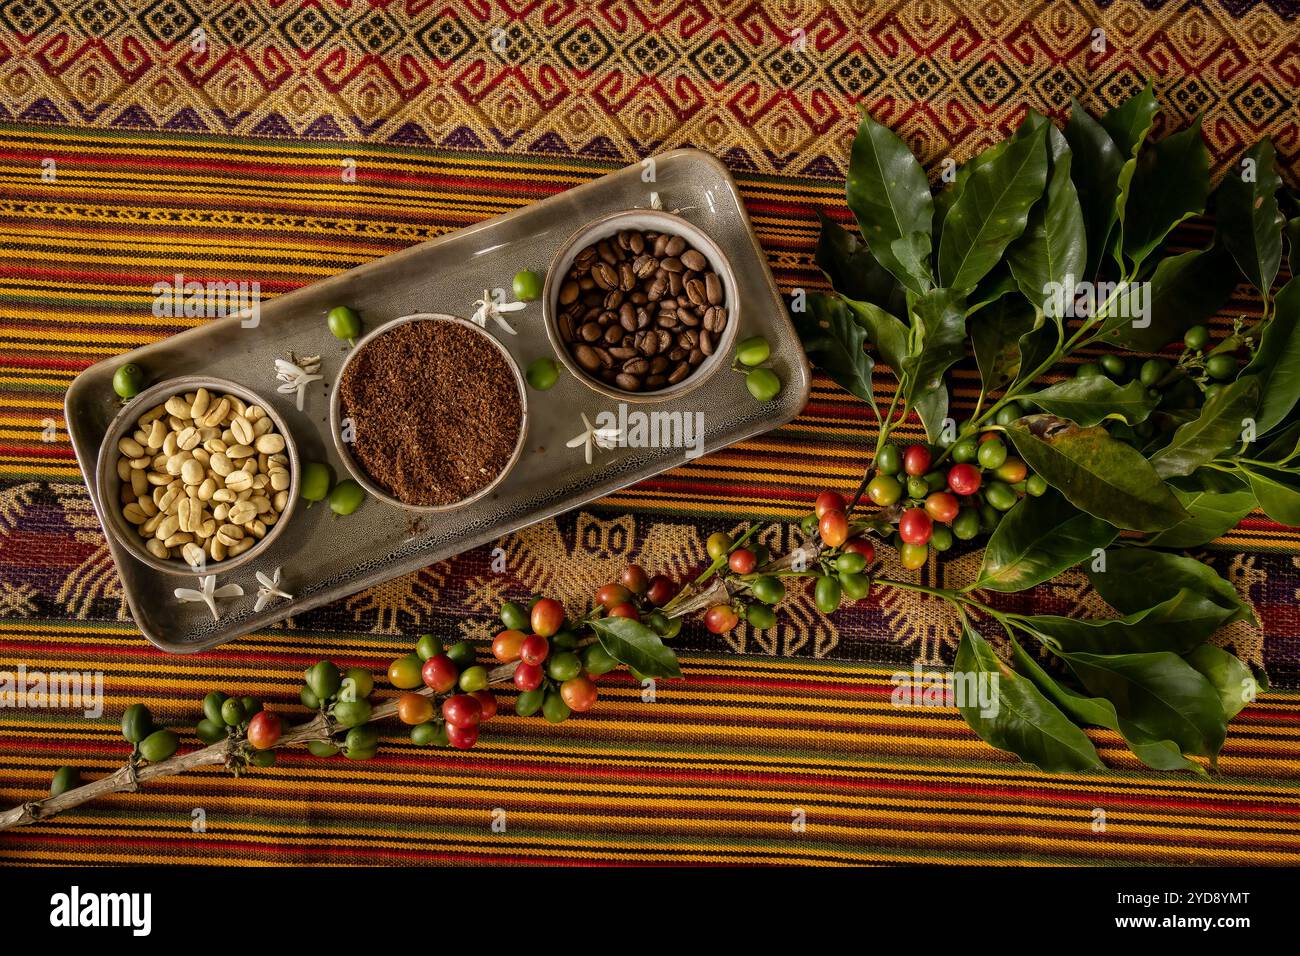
695	292
713	288
694	260
604	275
641	309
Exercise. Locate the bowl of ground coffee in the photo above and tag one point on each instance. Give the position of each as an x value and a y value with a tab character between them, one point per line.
641	306
430	412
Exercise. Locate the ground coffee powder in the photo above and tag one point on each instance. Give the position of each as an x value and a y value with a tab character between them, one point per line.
436	411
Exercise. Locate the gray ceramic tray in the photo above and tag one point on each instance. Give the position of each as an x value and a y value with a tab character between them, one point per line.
324	558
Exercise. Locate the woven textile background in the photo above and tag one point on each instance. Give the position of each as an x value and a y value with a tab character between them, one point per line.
141	138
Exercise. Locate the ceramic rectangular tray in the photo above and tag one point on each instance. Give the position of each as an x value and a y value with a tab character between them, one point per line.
324	558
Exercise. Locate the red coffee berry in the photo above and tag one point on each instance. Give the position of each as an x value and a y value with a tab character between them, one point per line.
863	547
462	710
661	590
534	649
547	617
916	460
527	676
720	618
742	561
915	526
829	501
462	738
440	673
634	579
942	507
834	528
964	479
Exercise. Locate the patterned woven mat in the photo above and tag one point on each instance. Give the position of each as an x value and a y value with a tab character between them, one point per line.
127	155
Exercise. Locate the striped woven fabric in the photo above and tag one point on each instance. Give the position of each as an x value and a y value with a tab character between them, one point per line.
127	157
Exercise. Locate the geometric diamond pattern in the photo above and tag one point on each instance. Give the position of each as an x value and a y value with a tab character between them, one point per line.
763	85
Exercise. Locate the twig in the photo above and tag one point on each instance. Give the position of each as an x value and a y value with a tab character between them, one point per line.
222	753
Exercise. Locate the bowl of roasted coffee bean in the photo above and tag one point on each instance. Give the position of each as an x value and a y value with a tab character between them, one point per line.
641	306
197	474
429	413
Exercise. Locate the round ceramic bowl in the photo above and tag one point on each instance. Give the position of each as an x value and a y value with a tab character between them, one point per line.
611	225
110	485
344	448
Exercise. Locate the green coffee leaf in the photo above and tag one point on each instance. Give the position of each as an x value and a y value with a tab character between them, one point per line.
1037	540
993	207
1178	625
1160	695
1052	252
1277	361
889	194
835	342
853	271
1095	169
1232	679
632	643
1022	720
1089	401
1214	431
1277	492
1171	182
888	334
1000	335
1155	753
1185	290
1211	513
1128	125
939	341
1248	215
1137	578
1097	474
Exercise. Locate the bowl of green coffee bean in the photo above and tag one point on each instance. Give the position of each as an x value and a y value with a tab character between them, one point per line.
195	475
